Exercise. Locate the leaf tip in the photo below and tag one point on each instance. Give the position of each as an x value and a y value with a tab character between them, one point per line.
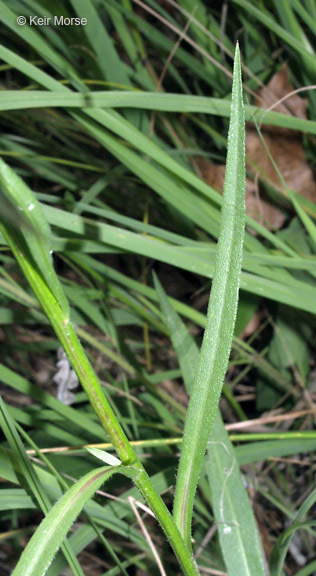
105	456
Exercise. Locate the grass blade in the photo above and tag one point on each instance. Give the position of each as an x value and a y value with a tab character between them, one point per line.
42	547
265	18
282	544
181	103
305	218
220	319
108	61
32	479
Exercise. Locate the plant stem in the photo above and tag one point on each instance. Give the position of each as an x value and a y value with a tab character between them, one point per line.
90	382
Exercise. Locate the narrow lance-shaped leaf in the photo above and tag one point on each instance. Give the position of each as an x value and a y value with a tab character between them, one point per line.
42	547
232	510
221	316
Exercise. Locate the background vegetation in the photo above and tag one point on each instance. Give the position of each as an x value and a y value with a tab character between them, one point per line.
120	129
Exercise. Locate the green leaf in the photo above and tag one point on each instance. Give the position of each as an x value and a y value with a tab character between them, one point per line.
27	230
235	519
221	316
28	470
42	547
108	61
15	499
269	21
21	100
232	510
282	544
307	570
305	218
183	343
289	345
105	456
260	451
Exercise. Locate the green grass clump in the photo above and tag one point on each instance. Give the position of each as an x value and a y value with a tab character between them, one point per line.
104	128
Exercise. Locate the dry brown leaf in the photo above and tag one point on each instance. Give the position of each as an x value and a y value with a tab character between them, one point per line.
252	326
285	145
286	149
257	207
213	174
